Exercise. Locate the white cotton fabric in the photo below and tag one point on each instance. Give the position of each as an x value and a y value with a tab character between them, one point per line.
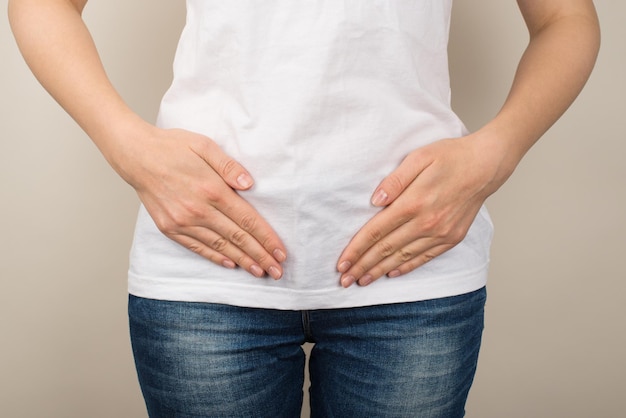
319	100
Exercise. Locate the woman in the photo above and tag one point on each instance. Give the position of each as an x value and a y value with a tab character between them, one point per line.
307	181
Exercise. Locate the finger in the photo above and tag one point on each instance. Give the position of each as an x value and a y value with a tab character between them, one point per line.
404	261
233	173
234	206
203	250
253	234
388	253
188	219
377	228
395	183
205	242
418	261
253	257
404	251
236	224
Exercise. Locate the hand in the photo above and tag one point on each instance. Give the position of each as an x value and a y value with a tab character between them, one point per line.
186	183
431	201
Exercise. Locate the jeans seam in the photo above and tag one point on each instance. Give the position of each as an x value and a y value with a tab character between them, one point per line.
306	326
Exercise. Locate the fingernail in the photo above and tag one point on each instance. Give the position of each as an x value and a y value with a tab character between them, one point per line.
229	264
344	266
257	271
244	180
279	255
365	280
347	281
394	273
379	198
274	272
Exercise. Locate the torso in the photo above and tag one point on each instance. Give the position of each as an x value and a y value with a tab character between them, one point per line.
319	100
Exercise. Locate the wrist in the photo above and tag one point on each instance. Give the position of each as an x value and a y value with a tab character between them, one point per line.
120	142
500	150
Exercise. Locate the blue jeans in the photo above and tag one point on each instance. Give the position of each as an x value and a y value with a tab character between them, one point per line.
399	360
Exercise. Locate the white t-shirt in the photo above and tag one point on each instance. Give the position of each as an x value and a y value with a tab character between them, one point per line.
319	100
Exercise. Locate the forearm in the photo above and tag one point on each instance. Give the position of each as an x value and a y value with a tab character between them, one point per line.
184	179
57	46
554	68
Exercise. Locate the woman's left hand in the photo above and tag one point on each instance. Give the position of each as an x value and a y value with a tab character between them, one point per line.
430	201
432	198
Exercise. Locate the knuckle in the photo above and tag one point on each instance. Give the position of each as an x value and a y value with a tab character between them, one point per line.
267	241
360	270
191	211
374	235
171	225
394	183
167	228
182	219
408	213
410	209
242	260
196	248
431	223
219	244
450	233
263	259
239	238
164	224
457	235
226	166
213	196
405	255
248	222
426	257
178	216
385	249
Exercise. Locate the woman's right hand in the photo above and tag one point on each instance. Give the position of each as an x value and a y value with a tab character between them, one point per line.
184	179
188	186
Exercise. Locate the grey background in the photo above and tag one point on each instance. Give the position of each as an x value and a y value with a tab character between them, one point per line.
554	340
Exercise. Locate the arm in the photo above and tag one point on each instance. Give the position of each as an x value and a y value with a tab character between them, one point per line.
432	198
185	181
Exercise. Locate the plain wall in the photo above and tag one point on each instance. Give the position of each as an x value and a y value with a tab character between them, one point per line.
555	334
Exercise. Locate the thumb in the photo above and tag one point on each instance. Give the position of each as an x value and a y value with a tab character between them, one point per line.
233	173
395	183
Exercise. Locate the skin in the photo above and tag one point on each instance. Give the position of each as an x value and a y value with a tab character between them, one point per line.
184	179
434	195
188	184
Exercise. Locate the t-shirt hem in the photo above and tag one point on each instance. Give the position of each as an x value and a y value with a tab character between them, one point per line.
383	291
